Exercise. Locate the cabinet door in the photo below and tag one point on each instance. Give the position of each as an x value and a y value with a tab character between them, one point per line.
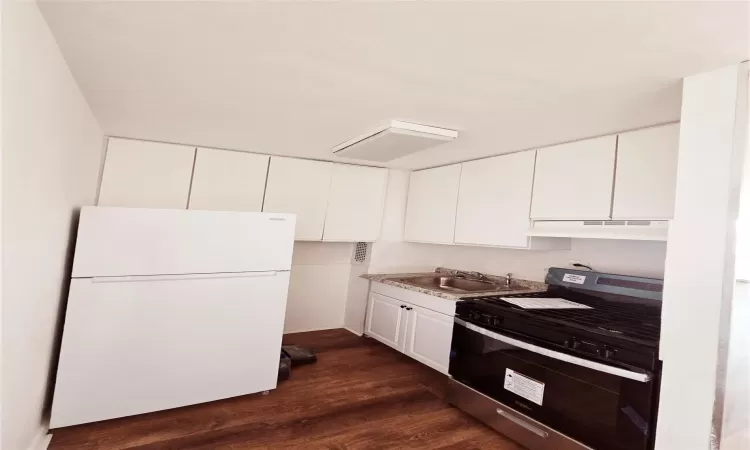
385	320
228	181
646	173
574	181
431	205
494	200
300	187
355	203
428	339
146	174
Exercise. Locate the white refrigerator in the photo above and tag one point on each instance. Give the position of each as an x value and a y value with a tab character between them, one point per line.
169	308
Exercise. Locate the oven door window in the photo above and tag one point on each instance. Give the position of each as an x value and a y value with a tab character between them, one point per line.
604	411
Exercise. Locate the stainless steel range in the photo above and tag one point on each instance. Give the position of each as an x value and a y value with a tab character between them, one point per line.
572	368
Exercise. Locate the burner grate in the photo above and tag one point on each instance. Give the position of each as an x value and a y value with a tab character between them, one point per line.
617	319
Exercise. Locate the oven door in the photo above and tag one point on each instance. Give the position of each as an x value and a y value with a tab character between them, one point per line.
605	407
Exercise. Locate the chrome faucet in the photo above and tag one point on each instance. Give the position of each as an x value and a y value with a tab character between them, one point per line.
468	275
508	279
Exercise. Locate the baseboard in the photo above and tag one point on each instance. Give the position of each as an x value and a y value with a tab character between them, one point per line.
313	329
353	332
41	439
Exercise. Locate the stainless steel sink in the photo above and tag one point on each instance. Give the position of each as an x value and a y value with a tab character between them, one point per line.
454	284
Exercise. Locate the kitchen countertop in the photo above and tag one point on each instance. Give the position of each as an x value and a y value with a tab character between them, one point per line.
524	286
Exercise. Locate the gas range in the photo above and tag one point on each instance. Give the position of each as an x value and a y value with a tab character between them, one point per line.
621	326
577	365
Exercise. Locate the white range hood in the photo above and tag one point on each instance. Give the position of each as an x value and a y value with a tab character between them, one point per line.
394	140
639	230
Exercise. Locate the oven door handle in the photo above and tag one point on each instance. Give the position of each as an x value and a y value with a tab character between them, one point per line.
637	376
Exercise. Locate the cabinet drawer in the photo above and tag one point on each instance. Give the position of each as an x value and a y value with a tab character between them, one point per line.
431	302
522	429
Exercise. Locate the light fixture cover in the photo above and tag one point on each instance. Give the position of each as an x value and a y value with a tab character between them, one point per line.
393	141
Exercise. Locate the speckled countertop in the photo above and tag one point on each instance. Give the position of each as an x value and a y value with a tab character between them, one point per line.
524	286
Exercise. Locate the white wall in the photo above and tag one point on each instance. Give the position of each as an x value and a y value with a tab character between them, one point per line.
391	255
623	257
699	276
52	147
743	224
735	431
356	299
318	286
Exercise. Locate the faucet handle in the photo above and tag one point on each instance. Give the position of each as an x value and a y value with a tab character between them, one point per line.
508	278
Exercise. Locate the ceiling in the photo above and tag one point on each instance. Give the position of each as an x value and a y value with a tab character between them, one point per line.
297	78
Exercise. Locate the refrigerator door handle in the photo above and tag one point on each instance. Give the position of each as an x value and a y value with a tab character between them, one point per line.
182	277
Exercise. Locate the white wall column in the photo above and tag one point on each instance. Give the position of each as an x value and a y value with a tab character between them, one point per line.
699	273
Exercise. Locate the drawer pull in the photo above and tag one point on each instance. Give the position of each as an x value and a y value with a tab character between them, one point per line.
522	423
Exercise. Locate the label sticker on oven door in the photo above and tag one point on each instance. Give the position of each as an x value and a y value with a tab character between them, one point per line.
573	278
526	387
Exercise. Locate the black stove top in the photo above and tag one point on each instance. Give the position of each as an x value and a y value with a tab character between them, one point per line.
634	322
622	324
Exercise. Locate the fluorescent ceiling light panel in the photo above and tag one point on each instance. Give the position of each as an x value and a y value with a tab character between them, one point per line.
393	141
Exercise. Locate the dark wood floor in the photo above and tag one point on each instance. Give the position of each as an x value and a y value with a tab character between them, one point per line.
360	395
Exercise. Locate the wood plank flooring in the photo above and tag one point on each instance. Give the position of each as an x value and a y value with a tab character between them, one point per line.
359	395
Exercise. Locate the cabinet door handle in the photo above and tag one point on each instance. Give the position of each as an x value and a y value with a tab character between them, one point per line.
403	306
409	309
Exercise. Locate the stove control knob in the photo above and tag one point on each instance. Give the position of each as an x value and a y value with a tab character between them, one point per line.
497	322
605	352
572	343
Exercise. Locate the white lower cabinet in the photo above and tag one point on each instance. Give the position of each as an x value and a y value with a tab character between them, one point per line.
386	320
428	337
418	332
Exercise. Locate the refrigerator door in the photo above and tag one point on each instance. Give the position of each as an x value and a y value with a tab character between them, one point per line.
134	241
133	345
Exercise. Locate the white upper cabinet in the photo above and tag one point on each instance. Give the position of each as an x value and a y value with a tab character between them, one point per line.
146	174
646	173
431	205
228	181
574	181
300	187
355	203
494	200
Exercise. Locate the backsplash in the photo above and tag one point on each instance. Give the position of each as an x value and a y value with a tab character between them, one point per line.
638	258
